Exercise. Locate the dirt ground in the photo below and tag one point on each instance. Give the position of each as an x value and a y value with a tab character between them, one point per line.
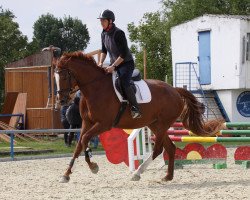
39	179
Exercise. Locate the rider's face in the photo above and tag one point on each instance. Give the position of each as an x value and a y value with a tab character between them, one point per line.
104	23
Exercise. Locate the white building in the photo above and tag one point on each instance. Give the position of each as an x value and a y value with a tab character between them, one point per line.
220	45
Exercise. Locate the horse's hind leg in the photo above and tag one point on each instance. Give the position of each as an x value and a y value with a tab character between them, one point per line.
158	148
163	140
137	174
170	149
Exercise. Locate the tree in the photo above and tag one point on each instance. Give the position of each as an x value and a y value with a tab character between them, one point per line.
151	35
74	34
153	31
12	44
68	33
179	11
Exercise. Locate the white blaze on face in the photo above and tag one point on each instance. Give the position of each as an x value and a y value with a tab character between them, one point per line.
57	77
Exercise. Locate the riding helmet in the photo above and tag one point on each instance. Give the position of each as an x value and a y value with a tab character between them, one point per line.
107	14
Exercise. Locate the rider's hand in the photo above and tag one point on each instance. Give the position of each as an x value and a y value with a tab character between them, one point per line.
110	69
100	65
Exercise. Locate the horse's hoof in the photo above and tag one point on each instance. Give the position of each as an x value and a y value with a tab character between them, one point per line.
167	178
94	168
64	179
136	177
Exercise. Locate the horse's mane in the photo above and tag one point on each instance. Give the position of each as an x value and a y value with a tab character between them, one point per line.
85	58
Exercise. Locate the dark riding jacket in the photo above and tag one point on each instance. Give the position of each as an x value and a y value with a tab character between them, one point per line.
115	43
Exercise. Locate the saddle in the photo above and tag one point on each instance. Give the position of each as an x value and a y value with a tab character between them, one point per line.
136	76
141	89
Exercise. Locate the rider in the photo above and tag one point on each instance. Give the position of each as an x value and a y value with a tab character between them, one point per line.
115	43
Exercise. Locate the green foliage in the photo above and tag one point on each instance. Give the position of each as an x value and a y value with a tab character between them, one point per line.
153	31
46	143
12	44
179	11
68	33
151	34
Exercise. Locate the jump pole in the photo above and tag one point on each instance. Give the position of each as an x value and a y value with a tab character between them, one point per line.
209	139
227	124
222	132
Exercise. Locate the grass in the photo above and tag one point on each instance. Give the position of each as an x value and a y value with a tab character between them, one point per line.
58	147
55	144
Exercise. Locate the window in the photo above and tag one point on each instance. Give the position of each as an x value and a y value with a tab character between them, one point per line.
248	47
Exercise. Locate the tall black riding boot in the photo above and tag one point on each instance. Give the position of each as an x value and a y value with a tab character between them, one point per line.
135	111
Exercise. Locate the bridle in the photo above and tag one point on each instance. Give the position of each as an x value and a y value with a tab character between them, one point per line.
65	92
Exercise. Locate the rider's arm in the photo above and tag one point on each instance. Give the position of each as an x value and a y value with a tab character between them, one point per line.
102	58
118	61
103	53
122	46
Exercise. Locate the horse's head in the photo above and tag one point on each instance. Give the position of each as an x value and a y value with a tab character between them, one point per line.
60	76
72	69
65	81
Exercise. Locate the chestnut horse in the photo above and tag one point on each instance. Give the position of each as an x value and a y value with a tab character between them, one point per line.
99	107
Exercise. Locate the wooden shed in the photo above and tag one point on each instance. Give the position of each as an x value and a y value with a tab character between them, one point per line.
32	75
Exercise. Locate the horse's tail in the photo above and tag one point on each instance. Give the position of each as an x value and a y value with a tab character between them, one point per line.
192	116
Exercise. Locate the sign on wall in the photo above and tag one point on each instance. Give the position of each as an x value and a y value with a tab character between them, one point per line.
243	104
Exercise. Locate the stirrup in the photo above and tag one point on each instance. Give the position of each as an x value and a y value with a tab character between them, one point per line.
135	113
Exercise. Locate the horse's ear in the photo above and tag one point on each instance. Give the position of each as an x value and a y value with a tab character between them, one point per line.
56	51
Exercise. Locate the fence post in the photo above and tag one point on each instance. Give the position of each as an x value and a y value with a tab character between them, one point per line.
12	146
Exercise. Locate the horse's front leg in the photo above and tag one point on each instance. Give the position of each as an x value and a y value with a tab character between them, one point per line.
94	131
76	154
87	129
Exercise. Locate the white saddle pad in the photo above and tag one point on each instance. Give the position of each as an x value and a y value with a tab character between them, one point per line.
143	94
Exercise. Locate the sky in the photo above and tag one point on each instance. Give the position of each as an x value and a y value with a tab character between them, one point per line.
126	11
